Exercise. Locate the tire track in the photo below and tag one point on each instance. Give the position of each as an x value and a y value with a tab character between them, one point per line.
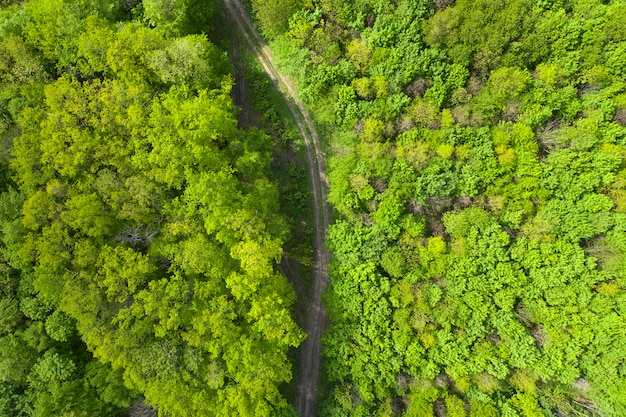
315	322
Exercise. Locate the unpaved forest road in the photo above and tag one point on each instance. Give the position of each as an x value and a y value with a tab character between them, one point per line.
315	320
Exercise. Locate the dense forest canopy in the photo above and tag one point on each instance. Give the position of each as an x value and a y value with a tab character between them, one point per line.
139	227
477	164
477	157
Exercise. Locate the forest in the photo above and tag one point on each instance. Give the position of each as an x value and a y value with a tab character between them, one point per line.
140	228
476	155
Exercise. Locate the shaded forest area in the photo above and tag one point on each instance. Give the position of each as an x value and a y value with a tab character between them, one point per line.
139	227
477	164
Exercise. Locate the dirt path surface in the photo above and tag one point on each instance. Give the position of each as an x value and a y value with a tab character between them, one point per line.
315	322
239	93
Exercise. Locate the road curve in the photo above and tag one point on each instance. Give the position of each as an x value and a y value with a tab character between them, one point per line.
315	321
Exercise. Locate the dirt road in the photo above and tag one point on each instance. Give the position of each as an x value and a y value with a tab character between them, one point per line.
315	321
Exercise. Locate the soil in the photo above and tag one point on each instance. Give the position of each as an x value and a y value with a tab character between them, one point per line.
239	93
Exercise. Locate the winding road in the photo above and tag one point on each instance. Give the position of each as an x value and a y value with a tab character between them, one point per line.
315	321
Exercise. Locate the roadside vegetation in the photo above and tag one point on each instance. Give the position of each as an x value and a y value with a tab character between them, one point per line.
476	158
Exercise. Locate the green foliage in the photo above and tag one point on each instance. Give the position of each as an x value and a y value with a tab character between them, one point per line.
138	246
13	402
477	34
191	61
109	384
178	17
59	326
476	155
274	16
477	166
9	314
52	367
393	262
35	308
